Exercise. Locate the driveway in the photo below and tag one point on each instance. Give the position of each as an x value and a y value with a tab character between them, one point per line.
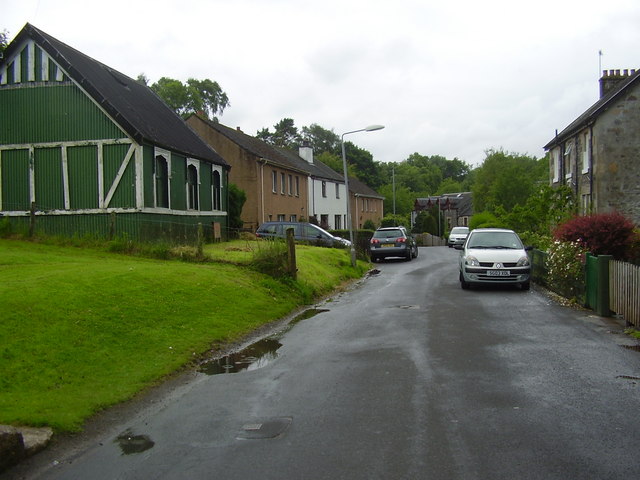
405	376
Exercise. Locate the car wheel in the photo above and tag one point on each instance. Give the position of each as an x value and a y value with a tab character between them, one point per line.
465	285
409	256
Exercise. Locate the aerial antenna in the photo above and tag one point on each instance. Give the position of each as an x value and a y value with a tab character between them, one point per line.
599	63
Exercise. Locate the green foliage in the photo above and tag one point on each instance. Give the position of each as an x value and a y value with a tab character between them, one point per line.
506	180
285	134
601	234
405	199
4	40
237	199
391	220
322	140
485	220
369	225
565	267
427	222
5	228
271	258
202	97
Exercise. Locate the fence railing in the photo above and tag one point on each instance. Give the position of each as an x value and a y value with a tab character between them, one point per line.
624	290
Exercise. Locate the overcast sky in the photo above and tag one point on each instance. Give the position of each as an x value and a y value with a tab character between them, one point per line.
445	78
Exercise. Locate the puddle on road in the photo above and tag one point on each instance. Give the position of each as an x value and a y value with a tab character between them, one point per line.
256	355
131	444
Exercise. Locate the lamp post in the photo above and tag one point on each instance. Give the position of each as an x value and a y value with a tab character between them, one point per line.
370	128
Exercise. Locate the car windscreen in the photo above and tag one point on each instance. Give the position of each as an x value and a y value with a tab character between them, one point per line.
459	230
494	240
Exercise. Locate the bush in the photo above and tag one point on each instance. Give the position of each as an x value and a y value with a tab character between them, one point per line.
484	220
5	228
565	268
272	258
600	234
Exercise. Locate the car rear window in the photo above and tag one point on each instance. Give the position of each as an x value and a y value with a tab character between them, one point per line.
388	234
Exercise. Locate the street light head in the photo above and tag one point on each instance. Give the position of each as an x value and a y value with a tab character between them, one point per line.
371	128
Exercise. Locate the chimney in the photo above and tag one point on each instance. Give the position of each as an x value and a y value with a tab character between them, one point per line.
611	78
306	152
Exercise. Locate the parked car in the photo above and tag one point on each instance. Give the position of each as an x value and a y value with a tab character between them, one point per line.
493	256
392	242
302	232
457	236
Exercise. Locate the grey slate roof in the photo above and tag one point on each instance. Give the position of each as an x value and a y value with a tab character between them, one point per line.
362	189
594	111
134	106
276	155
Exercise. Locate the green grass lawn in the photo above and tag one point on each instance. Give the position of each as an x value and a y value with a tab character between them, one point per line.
82	329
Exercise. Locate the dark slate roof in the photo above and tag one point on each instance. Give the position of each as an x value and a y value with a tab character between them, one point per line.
251	144
317	169
461	201
362	189
134	106
595	110
275	155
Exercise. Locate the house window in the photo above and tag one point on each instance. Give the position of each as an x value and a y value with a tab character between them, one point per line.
568	170
555	156
324	189
293	218
161	167
586	152
274	181
217	191
338	222
290	185
586	204
192	187
283	185
324	221
297	186
337	190
281	217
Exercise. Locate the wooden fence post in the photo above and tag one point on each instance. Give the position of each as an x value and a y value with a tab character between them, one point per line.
291	257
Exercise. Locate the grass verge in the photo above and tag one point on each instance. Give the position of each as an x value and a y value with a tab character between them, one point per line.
83	328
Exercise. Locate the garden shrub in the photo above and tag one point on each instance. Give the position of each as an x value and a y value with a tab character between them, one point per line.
565	268
600	234
271	258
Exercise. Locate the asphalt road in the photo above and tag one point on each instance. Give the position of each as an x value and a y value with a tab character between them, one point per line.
405	376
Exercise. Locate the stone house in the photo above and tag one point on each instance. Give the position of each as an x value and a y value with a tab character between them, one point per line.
456	208
598	154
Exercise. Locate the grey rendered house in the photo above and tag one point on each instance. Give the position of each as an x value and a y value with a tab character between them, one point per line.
86	149
598	154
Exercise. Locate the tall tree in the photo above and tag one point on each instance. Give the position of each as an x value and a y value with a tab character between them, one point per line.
204	97
285	134
506	180
4	40
321	139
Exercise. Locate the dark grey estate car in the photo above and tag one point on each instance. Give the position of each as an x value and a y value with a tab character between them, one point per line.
302	231
392	242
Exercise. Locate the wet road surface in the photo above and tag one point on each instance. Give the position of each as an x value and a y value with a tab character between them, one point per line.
406	376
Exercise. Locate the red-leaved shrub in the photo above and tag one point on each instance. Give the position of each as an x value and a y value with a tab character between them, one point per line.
601	234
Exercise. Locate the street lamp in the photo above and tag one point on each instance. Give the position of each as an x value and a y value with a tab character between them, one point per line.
370	128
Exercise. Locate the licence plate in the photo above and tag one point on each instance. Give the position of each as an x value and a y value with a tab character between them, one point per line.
498	273
388	245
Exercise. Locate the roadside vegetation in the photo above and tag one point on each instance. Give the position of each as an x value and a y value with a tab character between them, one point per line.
84	327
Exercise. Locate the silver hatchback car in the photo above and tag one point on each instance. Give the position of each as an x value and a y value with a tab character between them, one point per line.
492	256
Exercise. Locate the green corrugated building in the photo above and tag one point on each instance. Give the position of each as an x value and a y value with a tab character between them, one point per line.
85	149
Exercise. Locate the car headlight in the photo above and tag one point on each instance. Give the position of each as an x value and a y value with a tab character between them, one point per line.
472	261
523	262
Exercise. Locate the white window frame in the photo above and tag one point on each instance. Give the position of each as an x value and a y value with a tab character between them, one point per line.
586	152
